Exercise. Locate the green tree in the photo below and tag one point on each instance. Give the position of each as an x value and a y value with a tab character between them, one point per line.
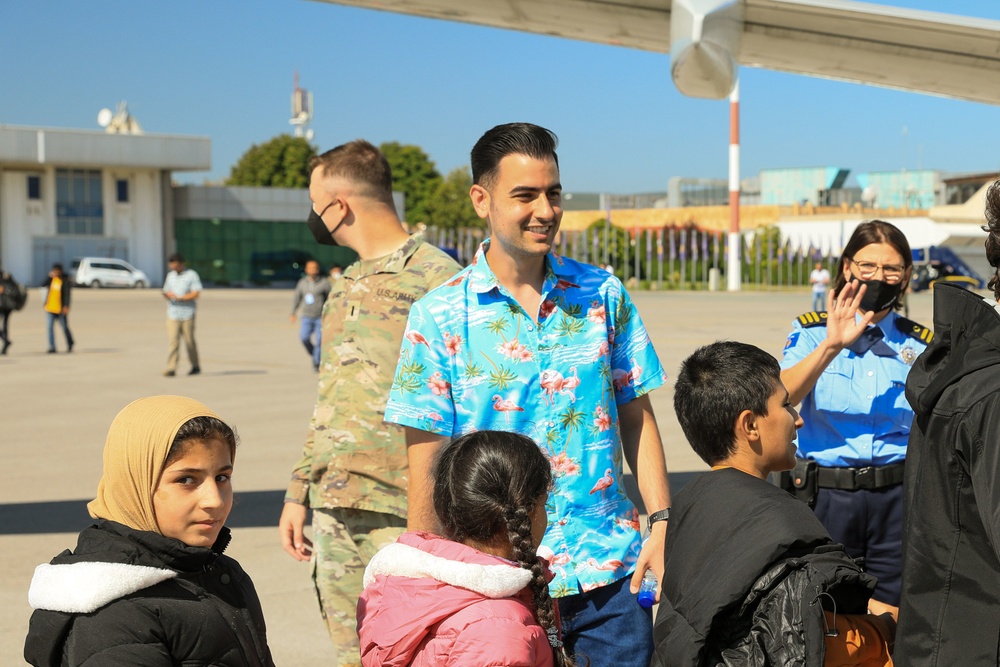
415	175
450	206
282	162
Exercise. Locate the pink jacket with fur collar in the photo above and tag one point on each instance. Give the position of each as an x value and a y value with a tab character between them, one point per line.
430	601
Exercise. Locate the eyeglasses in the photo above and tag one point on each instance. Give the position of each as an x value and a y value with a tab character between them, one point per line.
891	272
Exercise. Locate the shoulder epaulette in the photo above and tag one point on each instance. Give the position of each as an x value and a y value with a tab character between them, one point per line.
915	330
814	318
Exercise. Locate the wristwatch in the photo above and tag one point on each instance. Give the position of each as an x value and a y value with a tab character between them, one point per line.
662	515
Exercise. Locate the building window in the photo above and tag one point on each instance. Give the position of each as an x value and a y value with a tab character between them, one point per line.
121	186
79	206
34	187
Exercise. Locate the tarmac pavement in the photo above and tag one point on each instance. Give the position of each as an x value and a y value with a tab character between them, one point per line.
55	410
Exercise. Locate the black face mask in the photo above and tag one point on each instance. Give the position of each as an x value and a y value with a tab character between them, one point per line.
318	228
880	295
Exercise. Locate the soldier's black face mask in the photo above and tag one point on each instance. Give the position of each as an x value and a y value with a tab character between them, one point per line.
318	228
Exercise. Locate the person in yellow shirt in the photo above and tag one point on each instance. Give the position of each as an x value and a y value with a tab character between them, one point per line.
56	305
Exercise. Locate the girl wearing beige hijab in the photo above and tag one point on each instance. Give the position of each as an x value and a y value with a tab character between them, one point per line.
148	583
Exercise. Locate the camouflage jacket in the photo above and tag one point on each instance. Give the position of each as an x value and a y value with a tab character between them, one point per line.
351	457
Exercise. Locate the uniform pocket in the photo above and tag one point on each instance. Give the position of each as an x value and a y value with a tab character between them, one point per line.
833	389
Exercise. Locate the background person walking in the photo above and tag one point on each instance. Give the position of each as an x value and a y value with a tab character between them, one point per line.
181	288
12	297
57	297
310	293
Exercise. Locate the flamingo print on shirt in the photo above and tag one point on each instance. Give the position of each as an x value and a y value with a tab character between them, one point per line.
416	338
505	406
604	483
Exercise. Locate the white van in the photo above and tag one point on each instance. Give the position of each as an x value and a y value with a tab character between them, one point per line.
107	272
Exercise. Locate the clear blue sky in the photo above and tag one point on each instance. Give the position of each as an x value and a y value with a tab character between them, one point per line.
223	69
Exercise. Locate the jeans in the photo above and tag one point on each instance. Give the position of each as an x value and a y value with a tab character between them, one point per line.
308	327
52	317
608	626
819	301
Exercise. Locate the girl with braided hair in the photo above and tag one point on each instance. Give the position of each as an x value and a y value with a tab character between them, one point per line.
479	595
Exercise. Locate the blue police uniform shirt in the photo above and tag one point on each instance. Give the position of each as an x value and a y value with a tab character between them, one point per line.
857	414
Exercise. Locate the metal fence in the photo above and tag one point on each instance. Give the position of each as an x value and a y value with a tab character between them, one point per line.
670	257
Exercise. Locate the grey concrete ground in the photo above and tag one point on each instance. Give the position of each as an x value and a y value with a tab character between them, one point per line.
55	411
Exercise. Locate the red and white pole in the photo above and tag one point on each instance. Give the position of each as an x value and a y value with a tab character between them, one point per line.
734	271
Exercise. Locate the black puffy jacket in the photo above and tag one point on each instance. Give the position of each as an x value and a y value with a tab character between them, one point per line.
749	572
128	597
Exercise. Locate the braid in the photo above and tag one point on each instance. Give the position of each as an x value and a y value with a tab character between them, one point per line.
519	531
487	486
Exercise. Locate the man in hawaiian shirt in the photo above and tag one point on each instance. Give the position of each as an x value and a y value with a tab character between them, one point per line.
524	340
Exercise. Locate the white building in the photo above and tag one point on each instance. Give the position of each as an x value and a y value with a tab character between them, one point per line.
74	193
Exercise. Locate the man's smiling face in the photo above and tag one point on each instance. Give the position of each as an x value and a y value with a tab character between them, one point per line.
523	206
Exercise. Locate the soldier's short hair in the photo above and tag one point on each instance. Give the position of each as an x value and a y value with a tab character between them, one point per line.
362	164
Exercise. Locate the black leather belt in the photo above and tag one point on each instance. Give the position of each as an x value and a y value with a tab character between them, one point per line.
851	479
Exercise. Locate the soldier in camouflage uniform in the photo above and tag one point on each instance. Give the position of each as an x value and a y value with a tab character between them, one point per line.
353	470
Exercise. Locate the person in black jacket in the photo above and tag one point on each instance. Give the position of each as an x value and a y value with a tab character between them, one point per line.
951	535
751	576
148	584
9	291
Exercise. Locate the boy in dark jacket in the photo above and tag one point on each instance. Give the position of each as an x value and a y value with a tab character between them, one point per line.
751	575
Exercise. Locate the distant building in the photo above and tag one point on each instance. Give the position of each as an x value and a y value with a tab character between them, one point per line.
901	189
787	187
684	192
250	235
960	188
75	193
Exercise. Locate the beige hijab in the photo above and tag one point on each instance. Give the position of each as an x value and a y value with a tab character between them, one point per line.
136	449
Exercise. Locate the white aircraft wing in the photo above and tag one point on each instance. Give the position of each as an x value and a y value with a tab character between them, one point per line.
707	40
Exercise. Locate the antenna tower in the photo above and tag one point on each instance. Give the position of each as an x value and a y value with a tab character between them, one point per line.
302	110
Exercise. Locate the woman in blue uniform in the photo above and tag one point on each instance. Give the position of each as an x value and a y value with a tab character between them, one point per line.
847	366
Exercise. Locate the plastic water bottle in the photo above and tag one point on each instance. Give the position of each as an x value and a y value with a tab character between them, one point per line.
646	597
647	590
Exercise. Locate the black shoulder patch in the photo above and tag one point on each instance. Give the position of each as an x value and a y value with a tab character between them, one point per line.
812	319
915	330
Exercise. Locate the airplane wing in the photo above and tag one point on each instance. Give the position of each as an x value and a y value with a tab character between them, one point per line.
919	51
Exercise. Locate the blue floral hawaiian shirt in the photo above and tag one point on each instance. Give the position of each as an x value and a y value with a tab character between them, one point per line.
472	359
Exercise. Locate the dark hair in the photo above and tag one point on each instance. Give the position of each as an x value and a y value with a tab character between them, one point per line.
200	429
57	265
360	163
510	139
993	240
867	233
487	483
715	384
176	257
